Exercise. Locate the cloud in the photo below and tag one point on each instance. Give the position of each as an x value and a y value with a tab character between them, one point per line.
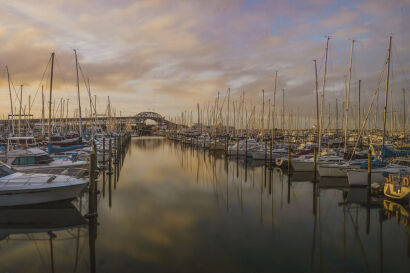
170	56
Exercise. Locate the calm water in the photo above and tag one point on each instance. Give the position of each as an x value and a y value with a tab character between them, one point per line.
177	209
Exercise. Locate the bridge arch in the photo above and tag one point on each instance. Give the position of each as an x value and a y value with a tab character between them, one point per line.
144	116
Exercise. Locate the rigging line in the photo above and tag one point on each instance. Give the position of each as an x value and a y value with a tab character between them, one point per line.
38	87
86	85
369	110
15	92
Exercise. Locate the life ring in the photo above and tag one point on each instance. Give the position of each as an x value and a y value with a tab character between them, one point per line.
406	181
278	162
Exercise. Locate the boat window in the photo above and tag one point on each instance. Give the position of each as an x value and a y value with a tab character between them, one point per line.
23	160
43	159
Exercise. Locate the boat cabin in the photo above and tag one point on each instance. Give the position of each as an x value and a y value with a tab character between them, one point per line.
31	156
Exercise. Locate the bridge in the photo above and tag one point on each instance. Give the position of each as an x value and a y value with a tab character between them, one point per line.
138	119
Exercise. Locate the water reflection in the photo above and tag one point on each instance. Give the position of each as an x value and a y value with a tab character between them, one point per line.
169	207
34	238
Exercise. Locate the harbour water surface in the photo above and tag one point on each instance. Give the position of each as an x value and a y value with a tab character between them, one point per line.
174	208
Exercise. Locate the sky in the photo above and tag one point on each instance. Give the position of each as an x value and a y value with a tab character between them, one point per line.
167	56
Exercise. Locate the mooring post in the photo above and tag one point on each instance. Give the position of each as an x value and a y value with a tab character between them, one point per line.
103	159
110	157
91	185
270	154
369	167
246	148
314	164
266	150
226	144
288	158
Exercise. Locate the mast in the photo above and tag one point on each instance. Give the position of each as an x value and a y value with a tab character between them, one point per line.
323	95
42	111
51	93
95	109
109	115
199	118
91	104
66	114
11	101
283	111
274	105
358	118
21	100
404	113
227	119
391	111
317	104
347	98
29	107
337	118
78	93
263	112
387	91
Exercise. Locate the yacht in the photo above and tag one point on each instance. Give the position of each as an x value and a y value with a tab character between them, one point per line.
18	188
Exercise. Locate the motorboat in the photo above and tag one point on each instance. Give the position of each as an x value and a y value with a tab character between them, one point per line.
276	153
305	163
17	188
35	159
358	177
338	169
244	148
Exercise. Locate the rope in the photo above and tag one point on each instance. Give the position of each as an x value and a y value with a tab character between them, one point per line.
38	87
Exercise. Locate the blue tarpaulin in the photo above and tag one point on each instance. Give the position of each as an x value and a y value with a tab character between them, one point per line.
55	150
374	164
388	153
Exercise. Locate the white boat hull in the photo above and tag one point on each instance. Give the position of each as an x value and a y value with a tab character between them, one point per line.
39	196
302	166
359	177
56	164
331	171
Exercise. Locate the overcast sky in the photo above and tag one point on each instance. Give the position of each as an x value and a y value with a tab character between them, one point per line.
167	56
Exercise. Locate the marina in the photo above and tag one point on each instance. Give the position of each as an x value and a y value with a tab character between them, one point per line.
204	136
206	215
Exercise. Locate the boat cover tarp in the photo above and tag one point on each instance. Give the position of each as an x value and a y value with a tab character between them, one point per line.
55	150
389	153
310	151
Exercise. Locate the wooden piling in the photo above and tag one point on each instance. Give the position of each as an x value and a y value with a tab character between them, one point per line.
246	148
288	158
314	164
270	154
110	157
92	165
103	159
369	167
